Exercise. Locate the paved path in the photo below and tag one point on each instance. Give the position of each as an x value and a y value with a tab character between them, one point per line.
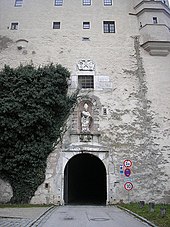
20	217
88	216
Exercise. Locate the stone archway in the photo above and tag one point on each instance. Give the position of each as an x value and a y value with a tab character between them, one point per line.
85	180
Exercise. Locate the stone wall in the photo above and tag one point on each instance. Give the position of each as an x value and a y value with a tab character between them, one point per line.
132	85
5	191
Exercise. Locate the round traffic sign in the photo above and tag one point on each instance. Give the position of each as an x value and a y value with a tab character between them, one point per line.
128	186
127	163
127	172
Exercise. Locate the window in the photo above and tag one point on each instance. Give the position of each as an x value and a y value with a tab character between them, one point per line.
14	26
109	26
18	3
86	81
46	185
155	20
58	2
56	25
107	2
86	2
104	111
86	25
85	38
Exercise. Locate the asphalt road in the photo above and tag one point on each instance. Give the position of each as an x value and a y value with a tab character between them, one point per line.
90	216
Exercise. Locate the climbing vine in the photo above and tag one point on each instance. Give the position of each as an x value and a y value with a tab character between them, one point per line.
34	107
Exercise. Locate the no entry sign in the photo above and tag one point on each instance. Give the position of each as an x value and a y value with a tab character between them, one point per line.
128	186
127	163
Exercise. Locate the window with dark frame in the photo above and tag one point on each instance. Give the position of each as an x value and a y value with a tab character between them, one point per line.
107	2
155	20
58	2
86	25
86	81
14	26
109	26
18	3
86	2
56	25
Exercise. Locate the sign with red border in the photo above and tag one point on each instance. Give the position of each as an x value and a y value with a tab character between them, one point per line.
128	186
127	163
127	172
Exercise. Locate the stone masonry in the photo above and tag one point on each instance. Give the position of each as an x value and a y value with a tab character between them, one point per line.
129	101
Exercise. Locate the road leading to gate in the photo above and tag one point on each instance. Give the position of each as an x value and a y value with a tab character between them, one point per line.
89	216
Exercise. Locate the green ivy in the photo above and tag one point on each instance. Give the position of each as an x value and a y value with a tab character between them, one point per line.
34	106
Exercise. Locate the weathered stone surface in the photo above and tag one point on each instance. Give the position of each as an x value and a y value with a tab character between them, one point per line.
5	191
132	85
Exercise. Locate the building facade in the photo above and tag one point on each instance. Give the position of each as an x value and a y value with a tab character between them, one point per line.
117	144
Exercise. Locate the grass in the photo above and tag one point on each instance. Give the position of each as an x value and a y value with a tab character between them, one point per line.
22	205
154	217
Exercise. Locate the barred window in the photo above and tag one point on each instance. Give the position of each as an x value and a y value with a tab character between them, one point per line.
109	26
86	25
107	2
14	26
58	2
56	25
18	3
86	2
86	81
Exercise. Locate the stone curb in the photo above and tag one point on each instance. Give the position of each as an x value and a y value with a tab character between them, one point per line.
138	216
12	217
41	216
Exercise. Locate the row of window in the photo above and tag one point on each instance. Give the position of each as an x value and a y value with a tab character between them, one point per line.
88	2
19	3
108	26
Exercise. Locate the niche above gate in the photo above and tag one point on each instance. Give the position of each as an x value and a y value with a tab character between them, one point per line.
85	120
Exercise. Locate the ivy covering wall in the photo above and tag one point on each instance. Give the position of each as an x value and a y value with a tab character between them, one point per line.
34	105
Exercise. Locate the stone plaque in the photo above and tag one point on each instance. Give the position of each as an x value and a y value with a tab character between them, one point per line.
86	65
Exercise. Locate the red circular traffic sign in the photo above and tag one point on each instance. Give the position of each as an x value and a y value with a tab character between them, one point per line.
127	163
128	186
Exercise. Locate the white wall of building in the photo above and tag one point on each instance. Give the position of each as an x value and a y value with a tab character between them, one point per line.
126	76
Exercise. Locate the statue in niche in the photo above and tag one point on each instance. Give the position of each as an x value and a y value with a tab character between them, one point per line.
86	119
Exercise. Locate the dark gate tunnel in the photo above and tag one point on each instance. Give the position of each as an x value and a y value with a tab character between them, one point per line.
85	181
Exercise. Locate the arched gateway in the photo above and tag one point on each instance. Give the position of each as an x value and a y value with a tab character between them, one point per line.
85	180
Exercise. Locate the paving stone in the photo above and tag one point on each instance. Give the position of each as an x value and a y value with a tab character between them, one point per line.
13	222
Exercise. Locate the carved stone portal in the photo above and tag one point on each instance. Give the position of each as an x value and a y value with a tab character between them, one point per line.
86	65
85	138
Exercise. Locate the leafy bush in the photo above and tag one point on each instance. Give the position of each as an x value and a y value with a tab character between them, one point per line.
34	107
